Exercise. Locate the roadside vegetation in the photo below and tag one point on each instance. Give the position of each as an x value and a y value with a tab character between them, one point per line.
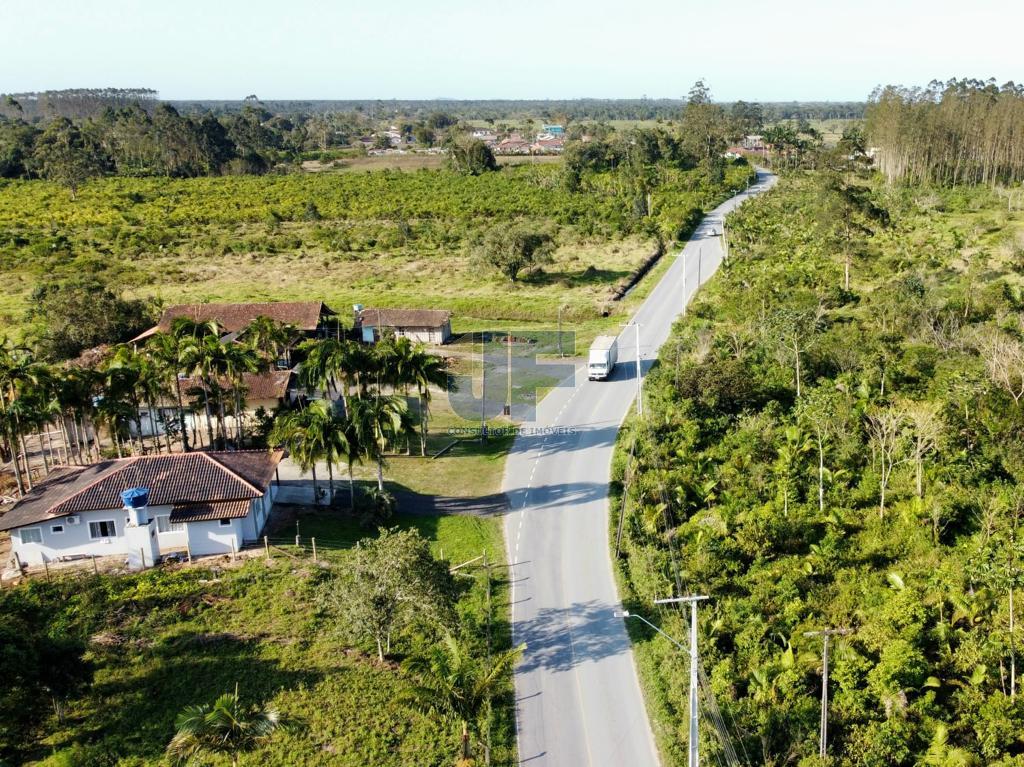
834	441
119	670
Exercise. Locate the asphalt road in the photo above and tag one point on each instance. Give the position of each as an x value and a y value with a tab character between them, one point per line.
578	698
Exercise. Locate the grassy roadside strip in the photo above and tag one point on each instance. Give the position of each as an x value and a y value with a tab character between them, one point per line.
651	652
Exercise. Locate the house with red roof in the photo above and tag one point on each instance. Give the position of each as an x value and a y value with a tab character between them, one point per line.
144	507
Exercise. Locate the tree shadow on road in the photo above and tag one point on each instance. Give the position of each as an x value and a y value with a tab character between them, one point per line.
561	639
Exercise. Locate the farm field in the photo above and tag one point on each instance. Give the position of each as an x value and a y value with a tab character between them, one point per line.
169	638
386	238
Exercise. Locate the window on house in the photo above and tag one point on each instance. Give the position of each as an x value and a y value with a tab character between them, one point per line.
31	535
102	529
164	524
225	523
57	529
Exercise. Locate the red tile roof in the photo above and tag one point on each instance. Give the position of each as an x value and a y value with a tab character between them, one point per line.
206	512
270	385
179	479
304	315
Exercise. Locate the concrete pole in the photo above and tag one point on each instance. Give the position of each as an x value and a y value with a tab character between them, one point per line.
694	744
823	740
483	389
826	636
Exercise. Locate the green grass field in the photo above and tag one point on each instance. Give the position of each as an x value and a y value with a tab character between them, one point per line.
386	238
165	639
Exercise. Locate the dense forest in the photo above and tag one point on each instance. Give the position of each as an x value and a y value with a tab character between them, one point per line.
958	132
834	440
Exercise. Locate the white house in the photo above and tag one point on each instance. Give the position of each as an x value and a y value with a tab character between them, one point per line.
201	502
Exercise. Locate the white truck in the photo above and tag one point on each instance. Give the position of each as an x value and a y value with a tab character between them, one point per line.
604	353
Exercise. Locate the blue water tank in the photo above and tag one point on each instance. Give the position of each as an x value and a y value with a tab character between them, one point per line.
135	497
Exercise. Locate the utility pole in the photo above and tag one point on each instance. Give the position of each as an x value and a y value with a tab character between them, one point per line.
483	388
826	635
694	750
508	363
560	355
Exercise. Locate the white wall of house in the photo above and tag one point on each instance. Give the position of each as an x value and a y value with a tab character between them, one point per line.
435	336
215	537
155	425
62	538
259	513
170	537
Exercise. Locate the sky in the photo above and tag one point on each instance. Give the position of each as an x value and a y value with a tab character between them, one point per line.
478	49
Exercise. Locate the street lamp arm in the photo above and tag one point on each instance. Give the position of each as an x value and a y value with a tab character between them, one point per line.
642	618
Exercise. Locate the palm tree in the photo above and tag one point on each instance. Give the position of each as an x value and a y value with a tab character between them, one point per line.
215	354
123	381
426	370
349	449
237	360
330	362
18	372
165	350
457	687
226	728
313	434
75	388
194	354
268	338
378	421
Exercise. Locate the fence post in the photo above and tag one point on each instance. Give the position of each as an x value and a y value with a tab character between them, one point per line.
233	552
298	542
46	566
266	546
142	554
188	550
313	540
95	569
